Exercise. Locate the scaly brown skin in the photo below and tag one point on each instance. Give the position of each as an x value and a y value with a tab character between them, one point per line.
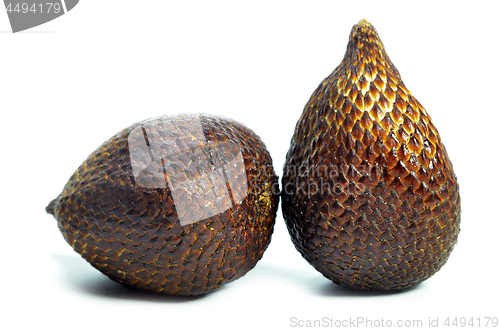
369	197
127	225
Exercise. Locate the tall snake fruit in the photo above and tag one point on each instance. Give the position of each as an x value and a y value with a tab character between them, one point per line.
369	195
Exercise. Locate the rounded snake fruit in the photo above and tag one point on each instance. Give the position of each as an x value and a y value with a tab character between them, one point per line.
176	205
369	194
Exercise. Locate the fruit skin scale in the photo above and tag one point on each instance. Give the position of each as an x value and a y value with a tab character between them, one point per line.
128	227
376	204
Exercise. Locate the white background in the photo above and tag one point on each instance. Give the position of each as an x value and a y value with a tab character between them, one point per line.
68	85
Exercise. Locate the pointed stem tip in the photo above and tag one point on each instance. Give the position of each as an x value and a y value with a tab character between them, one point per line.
364	22
51	208
364	32
364	29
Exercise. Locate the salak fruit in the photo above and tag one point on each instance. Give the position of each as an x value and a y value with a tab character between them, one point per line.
369	195
177	204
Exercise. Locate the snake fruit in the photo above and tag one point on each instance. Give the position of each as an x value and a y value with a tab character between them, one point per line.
176	205
369	195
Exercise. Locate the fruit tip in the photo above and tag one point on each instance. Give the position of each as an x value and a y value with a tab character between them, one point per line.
364	22
364	32
51	208
363	27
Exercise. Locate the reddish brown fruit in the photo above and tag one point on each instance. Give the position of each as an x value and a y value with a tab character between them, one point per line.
178	204
369	194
